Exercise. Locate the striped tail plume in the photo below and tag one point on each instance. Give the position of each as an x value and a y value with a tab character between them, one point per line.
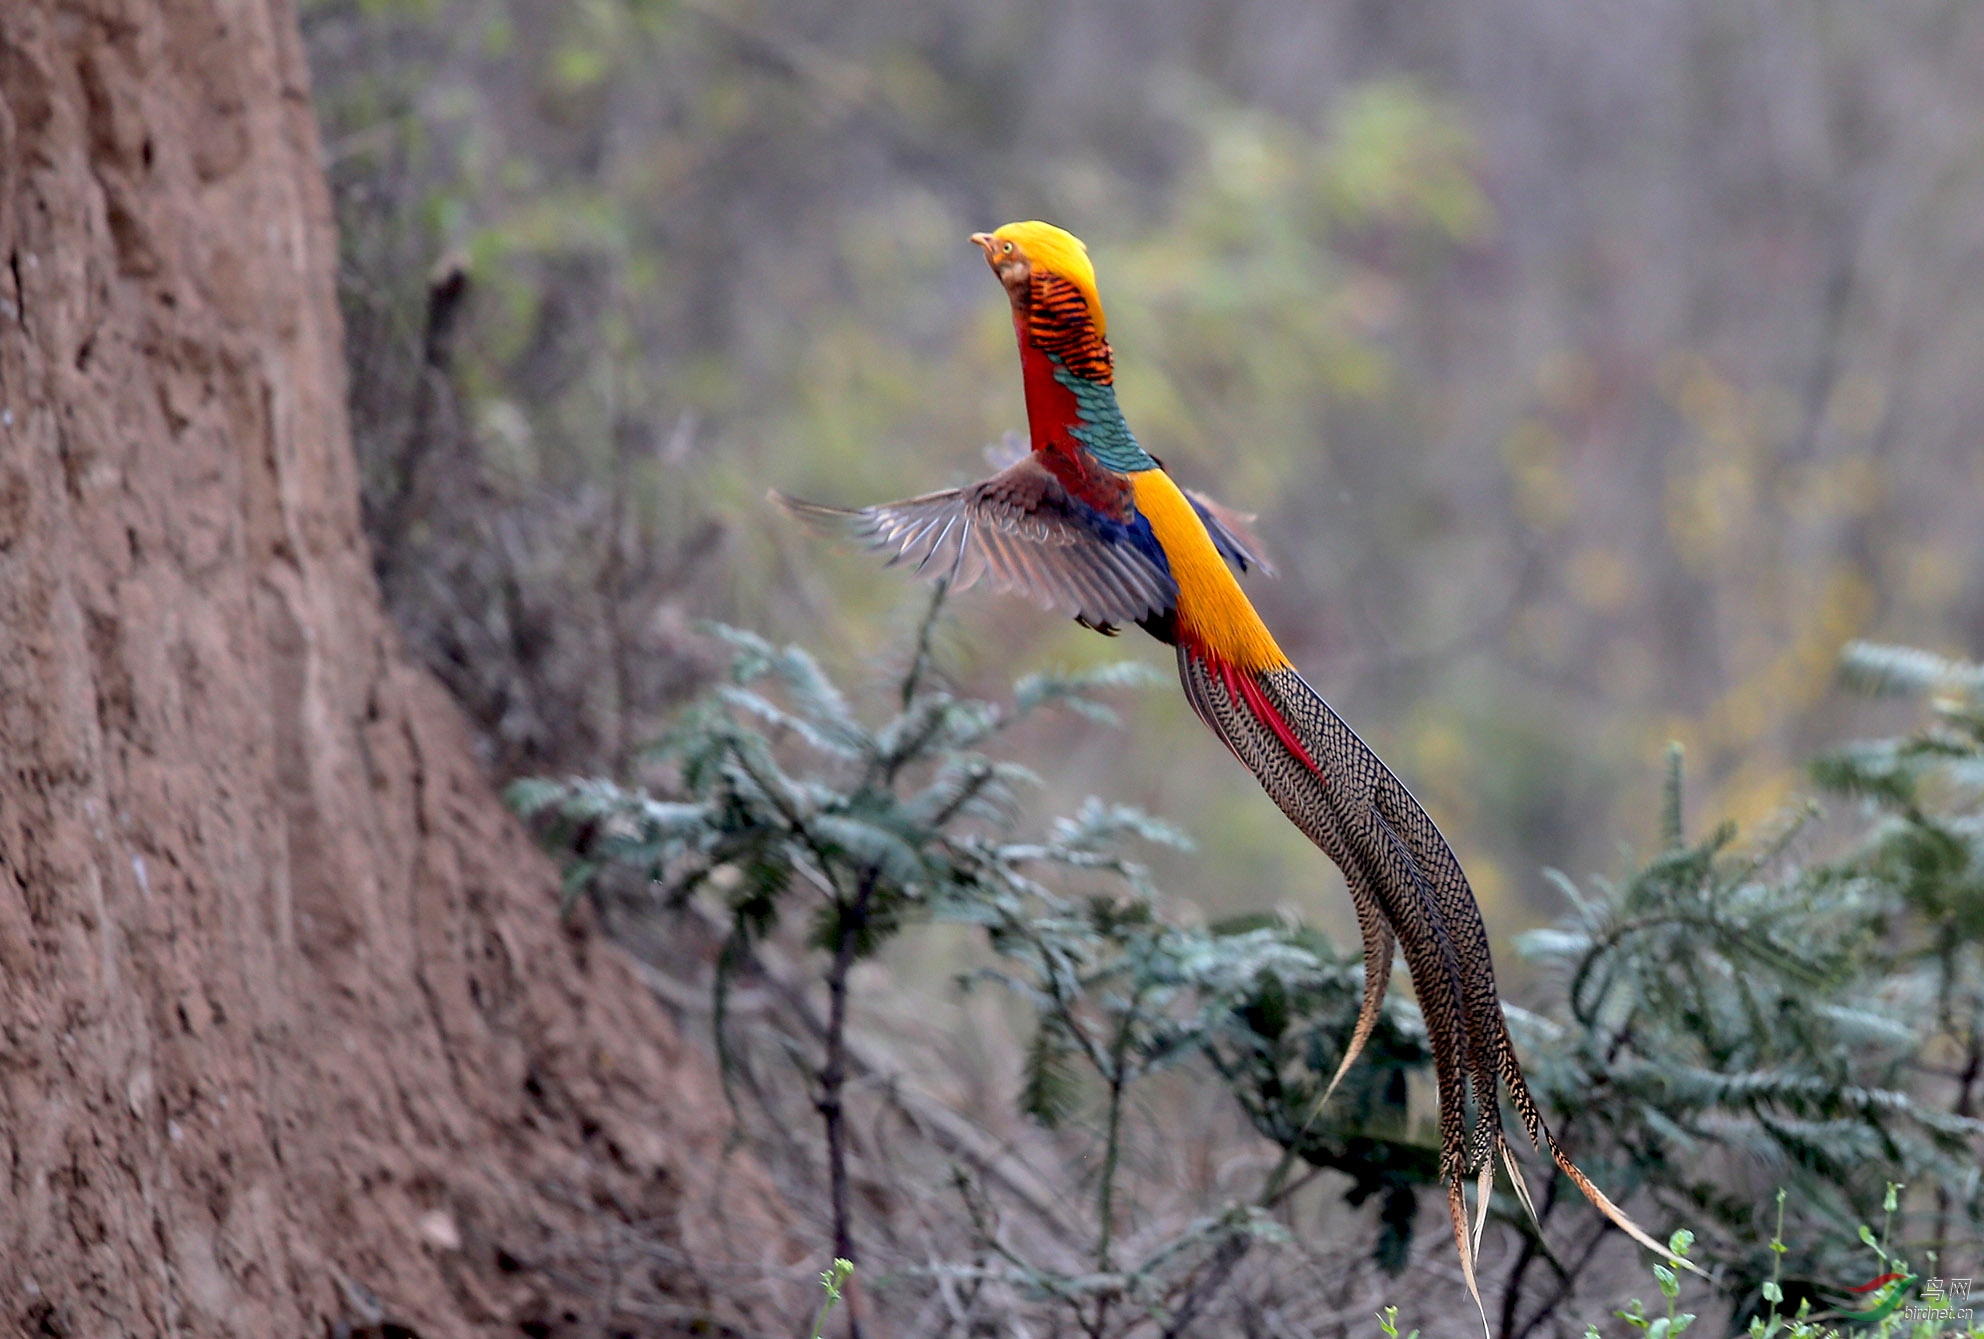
1408	888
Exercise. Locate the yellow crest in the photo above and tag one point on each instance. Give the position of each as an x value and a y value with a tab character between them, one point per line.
1058	251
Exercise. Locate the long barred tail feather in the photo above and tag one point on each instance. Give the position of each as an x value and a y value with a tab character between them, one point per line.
1604	1205
1320	799
1418	854
1516	1180
1457	1213
1312	800
1408	887
1483	1189
1379	949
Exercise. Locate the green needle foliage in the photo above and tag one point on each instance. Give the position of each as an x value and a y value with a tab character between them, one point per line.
1927	848
1730	1012
1276	1036
789	803
1120	993
1732	1021
1935	1311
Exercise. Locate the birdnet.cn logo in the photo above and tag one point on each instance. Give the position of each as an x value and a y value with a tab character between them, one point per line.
1884	1296
1939	1302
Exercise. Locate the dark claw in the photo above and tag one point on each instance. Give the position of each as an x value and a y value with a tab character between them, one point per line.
1106	629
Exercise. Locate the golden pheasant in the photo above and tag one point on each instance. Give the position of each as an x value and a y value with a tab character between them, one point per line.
1090	522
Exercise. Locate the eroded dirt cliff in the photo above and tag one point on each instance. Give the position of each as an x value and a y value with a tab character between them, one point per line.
287	1014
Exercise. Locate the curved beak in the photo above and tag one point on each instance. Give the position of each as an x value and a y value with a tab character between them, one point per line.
983	240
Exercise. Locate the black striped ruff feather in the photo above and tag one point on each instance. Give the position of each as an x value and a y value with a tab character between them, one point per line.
1061	327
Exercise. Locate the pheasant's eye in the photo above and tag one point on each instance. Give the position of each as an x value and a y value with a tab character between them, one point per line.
1007	248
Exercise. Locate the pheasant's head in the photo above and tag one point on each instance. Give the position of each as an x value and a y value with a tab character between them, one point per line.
1019	251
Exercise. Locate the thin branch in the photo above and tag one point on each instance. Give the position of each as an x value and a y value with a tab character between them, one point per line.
833	1078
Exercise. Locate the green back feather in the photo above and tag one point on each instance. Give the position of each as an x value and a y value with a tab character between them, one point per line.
1103	430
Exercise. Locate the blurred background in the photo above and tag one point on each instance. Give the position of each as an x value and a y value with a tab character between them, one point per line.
1596	369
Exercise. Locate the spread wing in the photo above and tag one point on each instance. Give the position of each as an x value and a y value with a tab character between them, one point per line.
1019	531
1232	531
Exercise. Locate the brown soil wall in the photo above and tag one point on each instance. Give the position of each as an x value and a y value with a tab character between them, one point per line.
287	1016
